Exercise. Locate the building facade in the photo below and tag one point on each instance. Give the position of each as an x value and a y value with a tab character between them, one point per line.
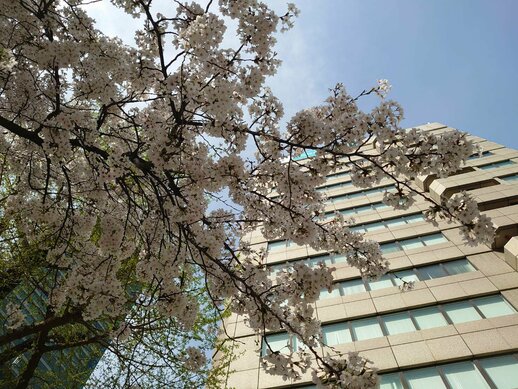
64	369
458	326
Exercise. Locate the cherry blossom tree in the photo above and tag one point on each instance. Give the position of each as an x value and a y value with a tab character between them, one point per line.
114	159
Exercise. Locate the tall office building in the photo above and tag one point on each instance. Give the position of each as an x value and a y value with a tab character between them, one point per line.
63	369
457	328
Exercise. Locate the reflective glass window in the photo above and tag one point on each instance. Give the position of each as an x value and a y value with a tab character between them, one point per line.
277	342
459	266
409	244
398	323
405	275
431	272
384	282
434	239
352	287
427	378
336	334
429	317
494	306
366	329
464	375
461	312
503	371
391	381
387	248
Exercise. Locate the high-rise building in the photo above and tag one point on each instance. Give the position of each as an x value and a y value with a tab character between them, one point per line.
458	326
69	368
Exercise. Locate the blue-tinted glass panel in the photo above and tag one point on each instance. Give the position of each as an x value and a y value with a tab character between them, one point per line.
464	375
427	378
429	318
391	381
409	244
398	323
366	329
494	306
384	282
459	266
352	287
511	178
434	239
497	165
461	312
336	334
387	248
405	275
503	371
277	342
431	272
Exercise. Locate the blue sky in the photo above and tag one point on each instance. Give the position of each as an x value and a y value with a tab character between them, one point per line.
454	62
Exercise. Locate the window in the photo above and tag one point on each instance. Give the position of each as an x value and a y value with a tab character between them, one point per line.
336	334
398	323
461	312
366	329
493	306
352	287
511	178
503	371
427	378
305	154
366	192
389	223
279	342
429	317
385	281
356	210
391	381
412	243
481	155
464	375
278	245
496	165
494	372
437	270
334	186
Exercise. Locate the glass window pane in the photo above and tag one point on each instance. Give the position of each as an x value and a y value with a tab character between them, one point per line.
396	222
427	378
384	282
405	275
461	312
388	248
352	287
431	272
409	244
390	381
494	306
429	318
278	245
459	266
366	329
339	259
414	218
374	226
512	178
398	323
325	294
277	342
464	375
433	239
503	371
336	334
